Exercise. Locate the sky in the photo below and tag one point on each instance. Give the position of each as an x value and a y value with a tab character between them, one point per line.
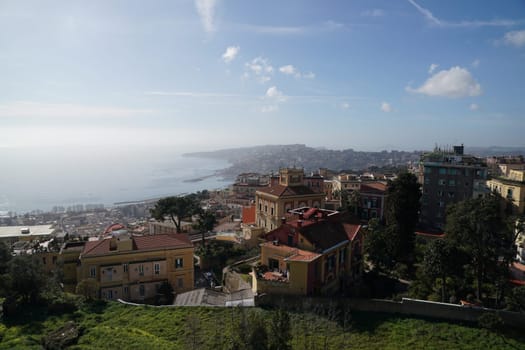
209	74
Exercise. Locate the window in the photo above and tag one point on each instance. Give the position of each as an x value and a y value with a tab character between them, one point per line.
452	182
44	260
341	256
451	195
271	211
441	204
442	171
428	170
427	181
441	182
156	268
141	270
452	171
126	290
142	290
54	260
440	193
93	272
178	263
180	282
510	192
110	294
273	264
265	208
125	267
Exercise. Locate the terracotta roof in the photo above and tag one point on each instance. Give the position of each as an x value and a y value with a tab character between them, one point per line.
284	191
373	187
152	242
248	215
113	227
352	230
324	234
296	254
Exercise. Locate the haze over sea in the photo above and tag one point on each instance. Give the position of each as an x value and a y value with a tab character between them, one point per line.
40	178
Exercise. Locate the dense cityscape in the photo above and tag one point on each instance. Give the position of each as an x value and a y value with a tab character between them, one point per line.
446	229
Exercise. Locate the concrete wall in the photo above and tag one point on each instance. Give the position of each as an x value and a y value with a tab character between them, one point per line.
409	307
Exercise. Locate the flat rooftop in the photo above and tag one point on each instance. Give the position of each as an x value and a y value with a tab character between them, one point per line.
16	231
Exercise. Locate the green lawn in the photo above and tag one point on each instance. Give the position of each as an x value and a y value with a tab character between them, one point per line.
116	326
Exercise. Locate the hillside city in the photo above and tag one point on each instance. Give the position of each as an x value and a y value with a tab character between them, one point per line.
440	236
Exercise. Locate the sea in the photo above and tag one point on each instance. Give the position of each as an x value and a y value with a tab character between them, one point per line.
42	178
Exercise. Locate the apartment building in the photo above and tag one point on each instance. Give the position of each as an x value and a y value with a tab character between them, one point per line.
135	267
447	177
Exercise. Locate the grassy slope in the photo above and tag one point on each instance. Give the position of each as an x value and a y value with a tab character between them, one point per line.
126	327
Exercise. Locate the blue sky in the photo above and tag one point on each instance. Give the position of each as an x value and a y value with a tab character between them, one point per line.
206	74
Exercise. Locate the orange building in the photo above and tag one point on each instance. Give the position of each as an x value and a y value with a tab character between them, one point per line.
134	268
313	253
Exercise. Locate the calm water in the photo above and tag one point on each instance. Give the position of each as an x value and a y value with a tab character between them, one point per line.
42	178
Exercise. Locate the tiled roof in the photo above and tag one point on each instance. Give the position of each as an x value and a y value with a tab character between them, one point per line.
324	234
152	242
373	187
351	230
285	191
296	254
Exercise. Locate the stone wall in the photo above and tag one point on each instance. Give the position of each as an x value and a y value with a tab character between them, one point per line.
409	307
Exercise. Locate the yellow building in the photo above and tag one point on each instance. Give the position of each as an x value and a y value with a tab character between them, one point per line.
134	268
314	254
511	188
273	202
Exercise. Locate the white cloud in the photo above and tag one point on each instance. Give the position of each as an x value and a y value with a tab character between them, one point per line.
455	82
373	13
473	107
345	105
515	38
475	63
58	110
206	10
261	68
386	107
270	109
275	94
327	26
465	24
288	70
291	70
230	53
432	68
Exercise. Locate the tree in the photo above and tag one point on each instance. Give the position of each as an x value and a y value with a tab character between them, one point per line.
205	223
516	300
379	247
88	288
27	278
477	228
176	208
401	214
442	260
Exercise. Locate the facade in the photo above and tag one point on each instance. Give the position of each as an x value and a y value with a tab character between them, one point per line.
134	268
511	188
372	200
273	202
247	183
12	234
314	253
448	177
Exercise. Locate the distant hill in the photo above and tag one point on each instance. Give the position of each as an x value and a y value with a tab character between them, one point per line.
268	158
272	157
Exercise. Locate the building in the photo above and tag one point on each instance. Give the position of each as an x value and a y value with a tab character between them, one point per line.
312	253
70	263
448	177
135	267
12	234
512	189
372	200
274	202
247	183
